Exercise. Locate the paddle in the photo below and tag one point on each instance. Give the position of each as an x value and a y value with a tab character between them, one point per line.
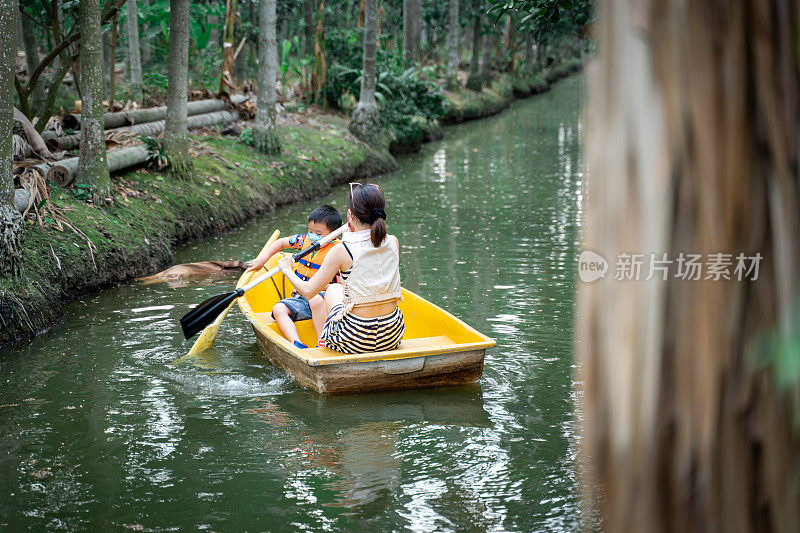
209	335
205	313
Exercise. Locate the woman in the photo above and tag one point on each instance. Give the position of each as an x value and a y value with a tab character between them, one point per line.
361	312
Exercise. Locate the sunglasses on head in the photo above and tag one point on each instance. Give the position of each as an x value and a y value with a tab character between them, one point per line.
355	183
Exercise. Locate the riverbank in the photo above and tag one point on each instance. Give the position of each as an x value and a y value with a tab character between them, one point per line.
153	213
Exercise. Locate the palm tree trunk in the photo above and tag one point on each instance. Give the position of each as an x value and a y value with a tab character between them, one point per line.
32	61
686	422
176	141
228	44
366	122
319	73
453	41
11	226
474	81
308	16
412	29
486	59
134	56
265	134
92	167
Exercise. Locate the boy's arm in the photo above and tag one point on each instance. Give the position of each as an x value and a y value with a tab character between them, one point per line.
271	250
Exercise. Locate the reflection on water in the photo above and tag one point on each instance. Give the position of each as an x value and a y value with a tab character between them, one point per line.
105	423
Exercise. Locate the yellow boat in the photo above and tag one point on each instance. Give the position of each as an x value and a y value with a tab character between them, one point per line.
437	349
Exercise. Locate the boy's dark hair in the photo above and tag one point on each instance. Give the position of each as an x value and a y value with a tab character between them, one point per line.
328	215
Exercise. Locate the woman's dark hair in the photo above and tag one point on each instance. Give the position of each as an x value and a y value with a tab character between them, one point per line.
328	215
367	204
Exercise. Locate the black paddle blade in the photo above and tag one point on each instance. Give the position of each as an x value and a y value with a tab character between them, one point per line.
204	314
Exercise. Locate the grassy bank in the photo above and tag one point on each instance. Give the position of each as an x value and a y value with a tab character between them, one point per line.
154	213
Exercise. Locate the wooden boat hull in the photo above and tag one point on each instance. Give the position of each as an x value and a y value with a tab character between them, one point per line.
436	370
437	349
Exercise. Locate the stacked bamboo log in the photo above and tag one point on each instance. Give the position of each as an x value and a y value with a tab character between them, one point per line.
202	113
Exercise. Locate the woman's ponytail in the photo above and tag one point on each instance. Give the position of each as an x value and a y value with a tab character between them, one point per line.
378	232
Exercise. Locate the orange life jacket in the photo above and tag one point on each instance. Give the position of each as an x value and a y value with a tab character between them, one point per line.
309	265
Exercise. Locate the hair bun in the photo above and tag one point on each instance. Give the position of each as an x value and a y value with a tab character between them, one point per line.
377	213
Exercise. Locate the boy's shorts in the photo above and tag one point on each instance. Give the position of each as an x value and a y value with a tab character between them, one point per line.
299	306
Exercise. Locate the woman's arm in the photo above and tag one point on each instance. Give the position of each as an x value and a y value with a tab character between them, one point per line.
264	256
330	266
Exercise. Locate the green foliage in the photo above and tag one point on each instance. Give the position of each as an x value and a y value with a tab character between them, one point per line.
82	191
247	137
410	97
157	157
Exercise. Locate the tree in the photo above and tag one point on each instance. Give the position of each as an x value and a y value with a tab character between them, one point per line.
11	226
265	134
228	44
319	72
176	141
689	387
308	17
31	58
475	82
134	57
412	29
453	41
366	121
486	59
92	167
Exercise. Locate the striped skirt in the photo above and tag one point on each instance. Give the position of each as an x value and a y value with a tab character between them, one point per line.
353	334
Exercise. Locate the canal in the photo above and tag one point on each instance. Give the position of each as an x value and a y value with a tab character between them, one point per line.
100	430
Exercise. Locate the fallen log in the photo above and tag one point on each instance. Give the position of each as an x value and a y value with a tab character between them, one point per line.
65	171
33	137
69	142
149	114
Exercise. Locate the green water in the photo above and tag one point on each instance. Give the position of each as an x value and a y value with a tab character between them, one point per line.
99	431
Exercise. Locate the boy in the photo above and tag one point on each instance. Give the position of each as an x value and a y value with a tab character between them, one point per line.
321	221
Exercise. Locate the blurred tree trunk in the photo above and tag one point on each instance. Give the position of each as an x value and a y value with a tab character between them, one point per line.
529	56
486	59
474	81
685	422
31	61
366	121
92	167
320	69
112	64
265	132
308	16
146	42
11	224
228	45
412	28
511	42
453	41
133	50
176	141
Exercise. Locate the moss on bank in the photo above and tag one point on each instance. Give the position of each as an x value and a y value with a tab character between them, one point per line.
154	213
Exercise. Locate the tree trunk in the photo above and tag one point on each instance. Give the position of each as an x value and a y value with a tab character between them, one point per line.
320	66
11	224
366	121
688	400
228	45
176	141
112	64
486	59
265	133
529	57
308	16
474	81
453	40
412	28
146	43
92	168
133	50
36	99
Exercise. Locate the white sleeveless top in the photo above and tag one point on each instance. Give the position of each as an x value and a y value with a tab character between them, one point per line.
375	275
